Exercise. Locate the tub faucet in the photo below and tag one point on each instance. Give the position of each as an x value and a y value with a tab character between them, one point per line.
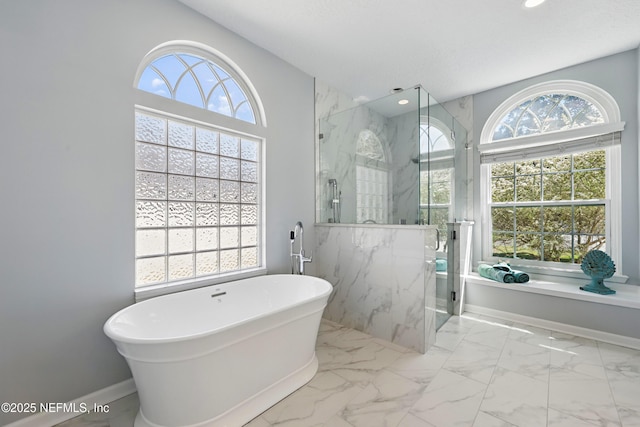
298	259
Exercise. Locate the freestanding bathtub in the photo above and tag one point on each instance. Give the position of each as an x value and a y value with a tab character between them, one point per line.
223	354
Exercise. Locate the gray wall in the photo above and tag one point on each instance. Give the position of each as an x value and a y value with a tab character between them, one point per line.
67	178
618	75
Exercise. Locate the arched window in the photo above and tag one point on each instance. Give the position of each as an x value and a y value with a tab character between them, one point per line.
372	184
550	175
437	146
198	171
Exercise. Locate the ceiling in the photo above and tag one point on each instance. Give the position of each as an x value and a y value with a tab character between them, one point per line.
452	47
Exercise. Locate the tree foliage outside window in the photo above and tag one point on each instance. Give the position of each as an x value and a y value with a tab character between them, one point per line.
550	209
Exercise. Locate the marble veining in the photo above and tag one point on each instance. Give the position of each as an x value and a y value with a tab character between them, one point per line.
365	381
384	281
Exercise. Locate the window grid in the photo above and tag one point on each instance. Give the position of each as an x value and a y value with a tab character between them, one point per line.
194	80
549	220
197	194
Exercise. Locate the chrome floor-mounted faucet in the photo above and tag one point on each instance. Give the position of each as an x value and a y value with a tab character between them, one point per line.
298	259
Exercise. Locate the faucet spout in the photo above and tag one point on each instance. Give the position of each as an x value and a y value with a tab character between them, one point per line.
298	259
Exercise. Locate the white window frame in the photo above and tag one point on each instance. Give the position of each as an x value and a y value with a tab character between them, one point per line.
171	109
530	147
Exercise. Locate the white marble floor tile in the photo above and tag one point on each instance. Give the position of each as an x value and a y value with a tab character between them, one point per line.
411	420
526	359
530	334
485	420
482	372
366	362
450	400
583	397
420	368
473	360
384	402
315	403
629	417
559	419
517	399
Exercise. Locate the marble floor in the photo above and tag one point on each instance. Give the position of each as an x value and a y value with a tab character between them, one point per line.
482	372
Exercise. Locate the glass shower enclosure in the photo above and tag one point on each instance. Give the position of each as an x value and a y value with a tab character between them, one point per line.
393	161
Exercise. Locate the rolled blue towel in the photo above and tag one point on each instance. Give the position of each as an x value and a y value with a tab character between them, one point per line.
441	265
520	276
489	272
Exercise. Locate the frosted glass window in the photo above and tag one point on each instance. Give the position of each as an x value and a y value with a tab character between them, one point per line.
197	192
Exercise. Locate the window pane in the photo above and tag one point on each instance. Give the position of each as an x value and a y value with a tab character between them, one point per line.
150	242
207	190
589	185
589	160
150	270
229	191
207	141
502	219
229	145
206	263
528	219
206	214
180	214
181	267
151	157
229	260
528	246
181	161
151	129
229	214
502	189
558	219
556	164
249	150
249	214
180	240
181	135
229	168
528	188
181	187
557	248
151	214
590	219
206	238
207	165
249	257
151	185
503	245
557	186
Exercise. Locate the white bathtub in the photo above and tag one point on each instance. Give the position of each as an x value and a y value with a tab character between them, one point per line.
221	355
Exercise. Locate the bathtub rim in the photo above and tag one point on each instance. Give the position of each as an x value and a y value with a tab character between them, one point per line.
116	337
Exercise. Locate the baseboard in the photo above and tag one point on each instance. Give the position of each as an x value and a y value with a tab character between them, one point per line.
607	337
100	397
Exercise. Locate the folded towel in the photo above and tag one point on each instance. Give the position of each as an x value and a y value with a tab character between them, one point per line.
519	276
441	265
489	272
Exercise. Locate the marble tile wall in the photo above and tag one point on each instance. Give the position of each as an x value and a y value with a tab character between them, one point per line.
383	278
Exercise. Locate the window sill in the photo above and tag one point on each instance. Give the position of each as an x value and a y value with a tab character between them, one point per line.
625	296
185	285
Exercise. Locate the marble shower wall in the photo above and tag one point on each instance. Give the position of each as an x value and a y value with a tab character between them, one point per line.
340	121
383	279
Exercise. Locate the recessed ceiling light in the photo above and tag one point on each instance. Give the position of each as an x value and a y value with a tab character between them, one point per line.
532	3
403	102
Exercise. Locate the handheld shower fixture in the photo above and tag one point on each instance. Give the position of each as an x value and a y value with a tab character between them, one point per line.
334	202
